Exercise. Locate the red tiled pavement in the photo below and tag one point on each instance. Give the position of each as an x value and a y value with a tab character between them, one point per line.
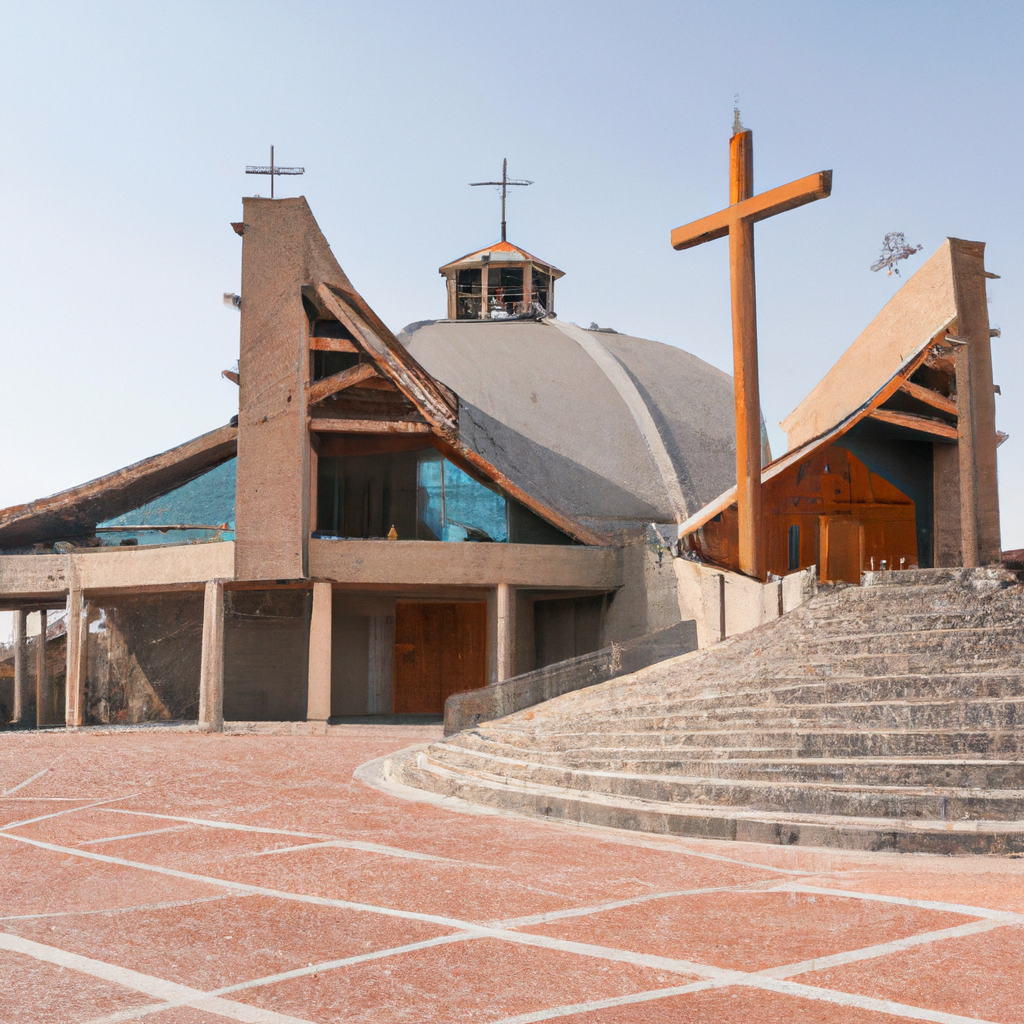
464	916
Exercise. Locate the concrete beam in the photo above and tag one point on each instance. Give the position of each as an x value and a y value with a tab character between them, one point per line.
318	706
436	563
47	576
77	660
211	674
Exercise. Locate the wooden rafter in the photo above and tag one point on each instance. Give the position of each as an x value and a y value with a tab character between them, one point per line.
321	389
911	421
932	398
341	426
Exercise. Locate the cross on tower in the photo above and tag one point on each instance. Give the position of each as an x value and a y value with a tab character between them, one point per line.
273	171
504	183
737	221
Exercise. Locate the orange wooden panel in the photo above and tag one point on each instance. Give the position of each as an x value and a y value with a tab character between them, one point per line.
440	649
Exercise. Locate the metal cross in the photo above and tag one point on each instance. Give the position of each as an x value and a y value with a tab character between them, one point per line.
504	183
737	221
274	171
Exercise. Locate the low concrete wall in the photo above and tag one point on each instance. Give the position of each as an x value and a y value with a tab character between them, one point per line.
706	591
424	562
115	569
465	710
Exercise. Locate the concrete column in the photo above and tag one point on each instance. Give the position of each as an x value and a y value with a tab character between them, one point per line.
318	707
44	694
20	668
506	632
77	653
211	674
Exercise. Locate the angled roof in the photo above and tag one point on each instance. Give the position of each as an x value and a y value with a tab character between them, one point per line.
499	252
537	402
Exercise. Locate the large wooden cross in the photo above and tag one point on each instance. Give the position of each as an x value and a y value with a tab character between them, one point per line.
737	221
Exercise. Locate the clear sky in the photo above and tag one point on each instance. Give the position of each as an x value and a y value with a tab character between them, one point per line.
126	128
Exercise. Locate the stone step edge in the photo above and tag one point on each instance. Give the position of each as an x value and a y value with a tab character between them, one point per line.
957	792
779	829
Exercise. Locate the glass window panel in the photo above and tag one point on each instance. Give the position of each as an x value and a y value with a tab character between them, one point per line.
430	497
472	511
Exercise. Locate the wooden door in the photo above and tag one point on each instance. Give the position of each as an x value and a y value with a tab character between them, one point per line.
440	649
842	542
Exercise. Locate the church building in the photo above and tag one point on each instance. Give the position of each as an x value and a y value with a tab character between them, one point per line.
387	521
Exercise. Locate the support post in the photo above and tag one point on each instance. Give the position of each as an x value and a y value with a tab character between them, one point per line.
319	695
77	654
20	668
744	356
211	673
44	691
506	630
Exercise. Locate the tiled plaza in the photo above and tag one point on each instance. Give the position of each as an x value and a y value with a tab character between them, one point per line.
187	878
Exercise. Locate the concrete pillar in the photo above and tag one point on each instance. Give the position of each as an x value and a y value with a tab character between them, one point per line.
20	668
211	674
44	694
318	707
506	632
77	653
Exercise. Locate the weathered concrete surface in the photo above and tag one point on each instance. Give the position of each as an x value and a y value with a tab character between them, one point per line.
422	562
713	597
465	710
29	576
878	717
236	861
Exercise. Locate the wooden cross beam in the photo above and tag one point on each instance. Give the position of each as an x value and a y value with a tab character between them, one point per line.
737	221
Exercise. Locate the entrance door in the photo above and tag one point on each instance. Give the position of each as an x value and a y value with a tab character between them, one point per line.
842	548
440	649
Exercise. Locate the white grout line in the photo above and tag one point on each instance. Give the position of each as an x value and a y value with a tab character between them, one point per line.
600	908
128	910
145	983
903	901
214	823
70	810
199	1002
133	835
385	851
885	948
14	789
601	1004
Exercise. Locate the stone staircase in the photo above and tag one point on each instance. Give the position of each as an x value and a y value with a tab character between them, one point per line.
888	716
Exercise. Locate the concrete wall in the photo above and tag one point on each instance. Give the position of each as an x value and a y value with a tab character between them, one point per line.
747	602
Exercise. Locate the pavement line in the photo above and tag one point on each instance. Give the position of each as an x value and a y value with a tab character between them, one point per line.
827	995
385	851
14	789
903	901
126	910
600	908
132	835
601	1004
144	983
70	810
885	948
199	1002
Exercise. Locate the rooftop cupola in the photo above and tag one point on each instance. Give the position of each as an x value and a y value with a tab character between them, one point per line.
500	282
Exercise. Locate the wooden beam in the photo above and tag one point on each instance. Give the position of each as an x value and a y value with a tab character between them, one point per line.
759	207
321	389
336	426
331	345
932	398
911	421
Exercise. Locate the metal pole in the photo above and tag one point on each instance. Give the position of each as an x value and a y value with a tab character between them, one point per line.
271	172
504	190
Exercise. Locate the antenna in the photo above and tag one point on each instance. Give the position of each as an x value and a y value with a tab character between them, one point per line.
273	171
504	183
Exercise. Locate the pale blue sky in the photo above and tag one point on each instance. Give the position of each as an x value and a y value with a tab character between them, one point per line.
126	129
